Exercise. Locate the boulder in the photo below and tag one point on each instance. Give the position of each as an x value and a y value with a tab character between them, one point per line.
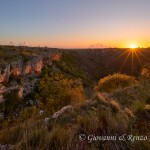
60	112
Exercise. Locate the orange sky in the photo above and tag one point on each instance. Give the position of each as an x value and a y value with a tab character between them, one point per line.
76	23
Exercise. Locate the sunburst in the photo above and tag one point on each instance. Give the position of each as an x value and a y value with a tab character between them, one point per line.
133	53
133	46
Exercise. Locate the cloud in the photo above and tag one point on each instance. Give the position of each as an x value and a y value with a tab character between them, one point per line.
25	43
98	45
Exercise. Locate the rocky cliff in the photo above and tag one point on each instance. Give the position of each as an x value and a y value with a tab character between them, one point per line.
24	69
34	65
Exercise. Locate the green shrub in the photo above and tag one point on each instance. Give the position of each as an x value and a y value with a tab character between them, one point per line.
68	65
12	101
115	81
134	96
55	91
145	72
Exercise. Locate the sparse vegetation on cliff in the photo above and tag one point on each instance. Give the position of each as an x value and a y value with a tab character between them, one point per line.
68	65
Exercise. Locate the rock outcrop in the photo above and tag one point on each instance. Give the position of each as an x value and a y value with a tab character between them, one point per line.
26	69
4	73
16	68
60	112
33	65
37	65
2	90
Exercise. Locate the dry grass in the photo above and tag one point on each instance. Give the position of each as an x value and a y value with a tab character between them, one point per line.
128	112
112	82
115	105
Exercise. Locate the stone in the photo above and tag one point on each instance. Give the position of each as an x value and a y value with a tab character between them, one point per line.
55	57
5	74
1	99
16	67
20	92
41	112
37	65
27	68
2	88
60	112
46	120
1	115
33	66
6	147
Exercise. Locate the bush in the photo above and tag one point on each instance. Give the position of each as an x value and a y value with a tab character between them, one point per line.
133	96
12	101
145	72
55	91
115	81
68	65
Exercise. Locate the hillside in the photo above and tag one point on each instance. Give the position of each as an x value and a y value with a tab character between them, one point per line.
74	99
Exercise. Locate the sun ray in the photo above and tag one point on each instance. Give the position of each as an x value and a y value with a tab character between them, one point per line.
132	63
119	57
135	55
125	61
143	55
138	58
146	50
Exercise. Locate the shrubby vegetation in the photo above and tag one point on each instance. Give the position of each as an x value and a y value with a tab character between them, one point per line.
68	65
102	115
12	101
55	91
115	81
145	73
134	96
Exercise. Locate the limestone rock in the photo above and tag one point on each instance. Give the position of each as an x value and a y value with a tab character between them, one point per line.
1	115
6	147
55	57
33	65
4	73
27	68
37	64
2	88
20	92
16	68
60	112
46	120
1	99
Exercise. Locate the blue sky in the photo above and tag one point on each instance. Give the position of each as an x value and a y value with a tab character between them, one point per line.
75	23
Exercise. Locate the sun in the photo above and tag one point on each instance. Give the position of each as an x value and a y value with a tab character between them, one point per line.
133	46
